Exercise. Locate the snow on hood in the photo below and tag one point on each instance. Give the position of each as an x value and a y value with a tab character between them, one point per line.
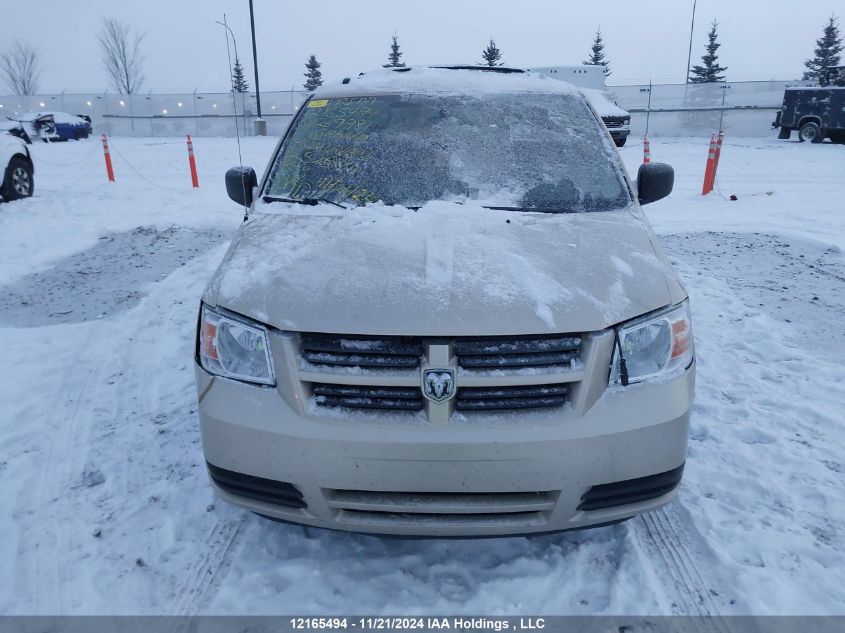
602	103
446	269
423	79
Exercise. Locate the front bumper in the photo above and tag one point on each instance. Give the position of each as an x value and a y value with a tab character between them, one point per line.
488	477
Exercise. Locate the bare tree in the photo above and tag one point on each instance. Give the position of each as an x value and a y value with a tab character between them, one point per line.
121	55
19	68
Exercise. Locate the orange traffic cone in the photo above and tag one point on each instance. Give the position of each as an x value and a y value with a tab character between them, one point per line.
646	150
710	167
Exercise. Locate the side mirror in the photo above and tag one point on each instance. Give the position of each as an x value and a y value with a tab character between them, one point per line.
654	182
239	184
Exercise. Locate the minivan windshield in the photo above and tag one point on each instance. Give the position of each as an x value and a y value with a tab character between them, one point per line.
532	152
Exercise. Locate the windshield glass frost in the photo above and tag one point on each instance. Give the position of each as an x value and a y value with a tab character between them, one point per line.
537	151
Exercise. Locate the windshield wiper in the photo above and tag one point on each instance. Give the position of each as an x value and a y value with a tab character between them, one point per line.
309	201
533	209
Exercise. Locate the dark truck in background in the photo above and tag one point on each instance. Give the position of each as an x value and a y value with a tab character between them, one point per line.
817	112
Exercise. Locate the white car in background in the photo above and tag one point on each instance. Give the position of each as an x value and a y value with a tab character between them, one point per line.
18	170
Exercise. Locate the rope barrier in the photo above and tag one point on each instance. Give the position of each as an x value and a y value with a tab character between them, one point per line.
71	164
132	167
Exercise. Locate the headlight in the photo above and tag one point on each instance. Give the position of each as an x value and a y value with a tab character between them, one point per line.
234	348
652	346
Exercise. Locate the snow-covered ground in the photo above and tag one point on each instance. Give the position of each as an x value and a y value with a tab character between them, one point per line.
104	504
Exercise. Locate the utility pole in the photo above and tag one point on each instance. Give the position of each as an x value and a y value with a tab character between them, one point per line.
260	124
689	54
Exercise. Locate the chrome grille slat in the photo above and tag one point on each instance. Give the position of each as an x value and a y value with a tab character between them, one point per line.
511	398
516	352
370	403
515	360
366	392
361	351
528	391
376	361
364	397
516	346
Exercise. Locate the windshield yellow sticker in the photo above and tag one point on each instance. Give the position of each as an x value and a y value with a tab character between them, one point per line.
318	103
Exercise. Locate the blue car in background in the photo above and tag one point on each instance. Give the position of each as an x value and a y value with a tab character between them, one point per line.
50	126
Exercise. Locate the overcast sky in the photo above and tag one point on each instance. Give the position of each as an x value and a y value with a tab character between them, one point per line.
185	50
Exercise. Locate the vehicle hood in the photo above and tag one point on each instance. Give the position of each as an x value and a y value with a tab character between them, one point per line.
444	270
602	103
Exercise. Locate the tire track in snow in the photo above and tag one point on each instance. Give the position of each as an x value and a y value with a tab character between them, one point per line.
209	541
205	575
668	549
68	428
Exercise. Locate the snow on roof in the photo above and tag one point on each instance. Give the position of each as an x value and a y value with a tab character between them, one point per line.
58	117
602	103
454	80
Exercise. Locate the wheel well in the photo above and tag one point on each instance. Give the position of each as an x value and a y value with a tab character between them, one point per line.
810	119
26	158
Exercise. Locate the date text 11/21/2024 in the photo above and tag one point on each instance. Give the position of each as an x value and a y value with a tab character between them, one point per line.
387	623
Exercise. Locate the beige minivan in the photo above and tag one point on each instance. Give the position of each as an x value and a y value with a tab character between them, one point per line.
446	315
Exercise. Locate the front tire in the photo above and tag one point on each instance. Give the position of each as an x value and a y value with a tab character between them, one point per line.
620	142
810	131
18	181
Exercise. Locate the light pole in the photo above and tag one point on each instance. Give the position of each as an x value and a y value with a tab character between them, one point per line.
689	54
260	124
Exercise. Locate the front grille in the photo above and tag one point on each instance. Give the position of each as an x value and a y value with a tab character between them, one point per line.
516	352
616	121
366	397
494	373
511	398
267	490
631	490
442	508
361	351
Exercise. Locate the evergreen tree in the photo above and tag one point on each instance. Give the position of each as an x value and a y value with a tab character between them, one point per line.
239	82
597	56
313	78
492	54
395	54
828	47
708	71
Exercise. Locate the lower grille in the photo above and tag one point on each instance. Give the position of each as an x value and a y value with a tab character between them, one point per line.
443	508
258	488
511	398
631	490
365	397
516	520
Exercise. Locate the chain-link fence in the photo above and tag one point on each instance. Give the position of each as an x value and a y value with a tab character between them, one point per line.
197	113
743	108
